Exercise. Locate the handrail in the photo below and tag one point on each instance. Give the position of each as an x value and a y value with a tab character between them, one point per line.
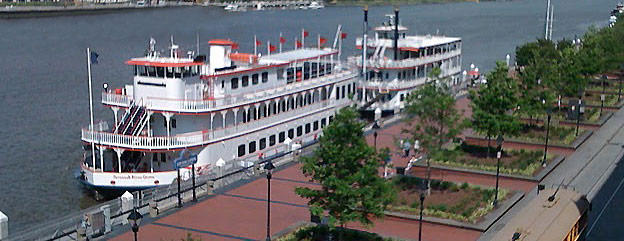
199	137
404	63
202	105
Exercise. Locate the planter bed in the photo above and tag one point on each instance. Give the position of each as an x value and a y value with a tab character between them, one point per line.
460	202
513	162
312	232
591	117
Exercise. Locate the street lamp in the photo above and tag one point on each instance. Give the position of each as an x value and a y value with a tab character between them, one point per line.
578	112
549	113
134	219
499	142
602	95
375	127
105	86
422	207
620	81
269	169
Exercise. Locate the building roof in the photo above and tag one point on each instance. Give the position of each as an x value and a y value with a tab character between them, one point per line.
545	220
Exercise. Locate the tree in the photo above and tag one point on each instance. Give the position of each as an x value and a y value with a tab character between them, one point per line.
347	170
529	51
438	119
493	105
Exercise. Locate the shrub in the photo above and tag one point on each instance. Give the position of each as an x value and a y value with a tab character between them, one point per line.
464	186
415	204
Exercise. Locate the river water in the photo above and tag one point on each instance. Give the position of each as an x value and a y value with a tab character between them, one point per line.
43	74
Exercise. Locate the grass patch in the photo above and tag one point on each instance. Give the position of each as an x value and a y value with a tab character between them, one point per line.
516	162
562	135
449	200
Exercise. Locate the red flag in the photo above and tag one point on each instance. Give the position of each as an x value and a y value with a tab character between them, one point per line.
305	33
272	48
235	46
282	40
322	40
258	43
343	35
299	44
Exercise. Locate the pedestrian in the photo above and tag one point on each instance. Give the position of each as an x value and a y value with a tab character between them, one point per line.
406	148
416	146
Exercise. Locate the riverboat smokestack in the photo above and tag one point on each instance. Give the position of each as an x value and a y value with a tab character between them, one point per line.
396	33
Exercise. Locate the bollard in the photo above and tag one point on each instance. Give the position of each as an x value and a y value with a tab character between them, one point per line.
257	169
107	218
153	209
127	204
4	226
81	234
210	187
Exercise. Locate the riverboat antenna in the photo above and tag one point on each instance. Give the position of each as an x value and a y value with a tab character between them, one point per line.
364	37
197	42
396	33
547	21
552	17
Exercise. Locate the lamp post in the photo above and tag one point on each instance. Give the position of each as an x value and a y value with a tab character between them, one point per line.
499	142
105	86
602	95
422	207
375	127
578	112
548	113
269	169
134	219
620	82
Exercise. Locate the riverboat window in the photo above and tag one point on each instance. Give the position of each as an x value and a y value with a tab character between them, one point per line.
323	122
402	97
252	147
291	133
343	91
315	126
265	77
254	79
337	92
262	143
222	84
151	71
241	150
234	83
282	136
307	128
272	140
245	81
173	123
299	130
331	119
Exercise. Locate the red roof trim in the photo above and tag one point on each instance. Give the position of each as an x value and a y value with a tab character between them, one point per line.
161	64
226	42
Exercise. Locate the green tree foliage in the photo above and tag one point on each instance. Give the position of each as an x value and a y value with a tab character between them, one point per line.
529	51
347	170
493	105
438	119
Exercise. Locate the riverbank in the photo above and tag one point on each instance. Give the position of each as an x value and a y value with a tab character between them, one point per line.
12	12
395	2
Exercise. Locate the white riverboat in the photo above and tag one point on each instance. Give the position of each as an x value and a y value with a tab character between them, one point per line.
233	108
397	64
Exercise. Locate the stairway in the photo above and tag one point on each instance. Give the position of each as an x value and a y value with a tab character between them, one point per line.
133	121
370	102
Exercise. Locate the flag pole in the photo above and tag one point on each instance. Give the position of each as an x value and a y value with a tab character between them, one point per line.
269	48
339	45
280	42
319	41
255	45
91	107
303	38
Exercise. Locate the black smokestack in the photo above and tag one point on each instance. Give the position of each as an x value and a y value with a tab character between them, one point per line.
396	33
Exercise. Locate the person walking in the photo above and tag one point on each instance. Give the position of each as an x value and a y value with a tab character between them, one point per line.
406	148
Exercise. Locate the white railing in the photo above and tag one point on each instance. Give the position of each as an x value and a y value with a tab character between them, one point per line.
199	137
192	105
404	63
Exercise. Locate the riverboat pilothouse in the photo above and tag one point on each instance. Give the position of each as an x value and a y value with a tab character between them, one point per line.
395	64
233	107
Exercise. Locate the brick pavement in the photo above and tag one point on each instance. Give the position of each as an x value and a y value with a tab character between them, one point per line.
240	214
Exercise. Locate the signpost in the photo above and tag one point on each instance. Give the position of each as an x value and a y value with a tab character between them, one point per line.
185	159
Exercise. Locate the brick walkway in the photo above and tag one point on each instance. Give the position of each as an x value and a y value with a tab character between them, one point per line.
240	214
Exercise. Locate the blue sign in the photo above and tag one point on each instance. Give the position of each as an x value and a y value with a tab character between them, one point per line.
185	159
